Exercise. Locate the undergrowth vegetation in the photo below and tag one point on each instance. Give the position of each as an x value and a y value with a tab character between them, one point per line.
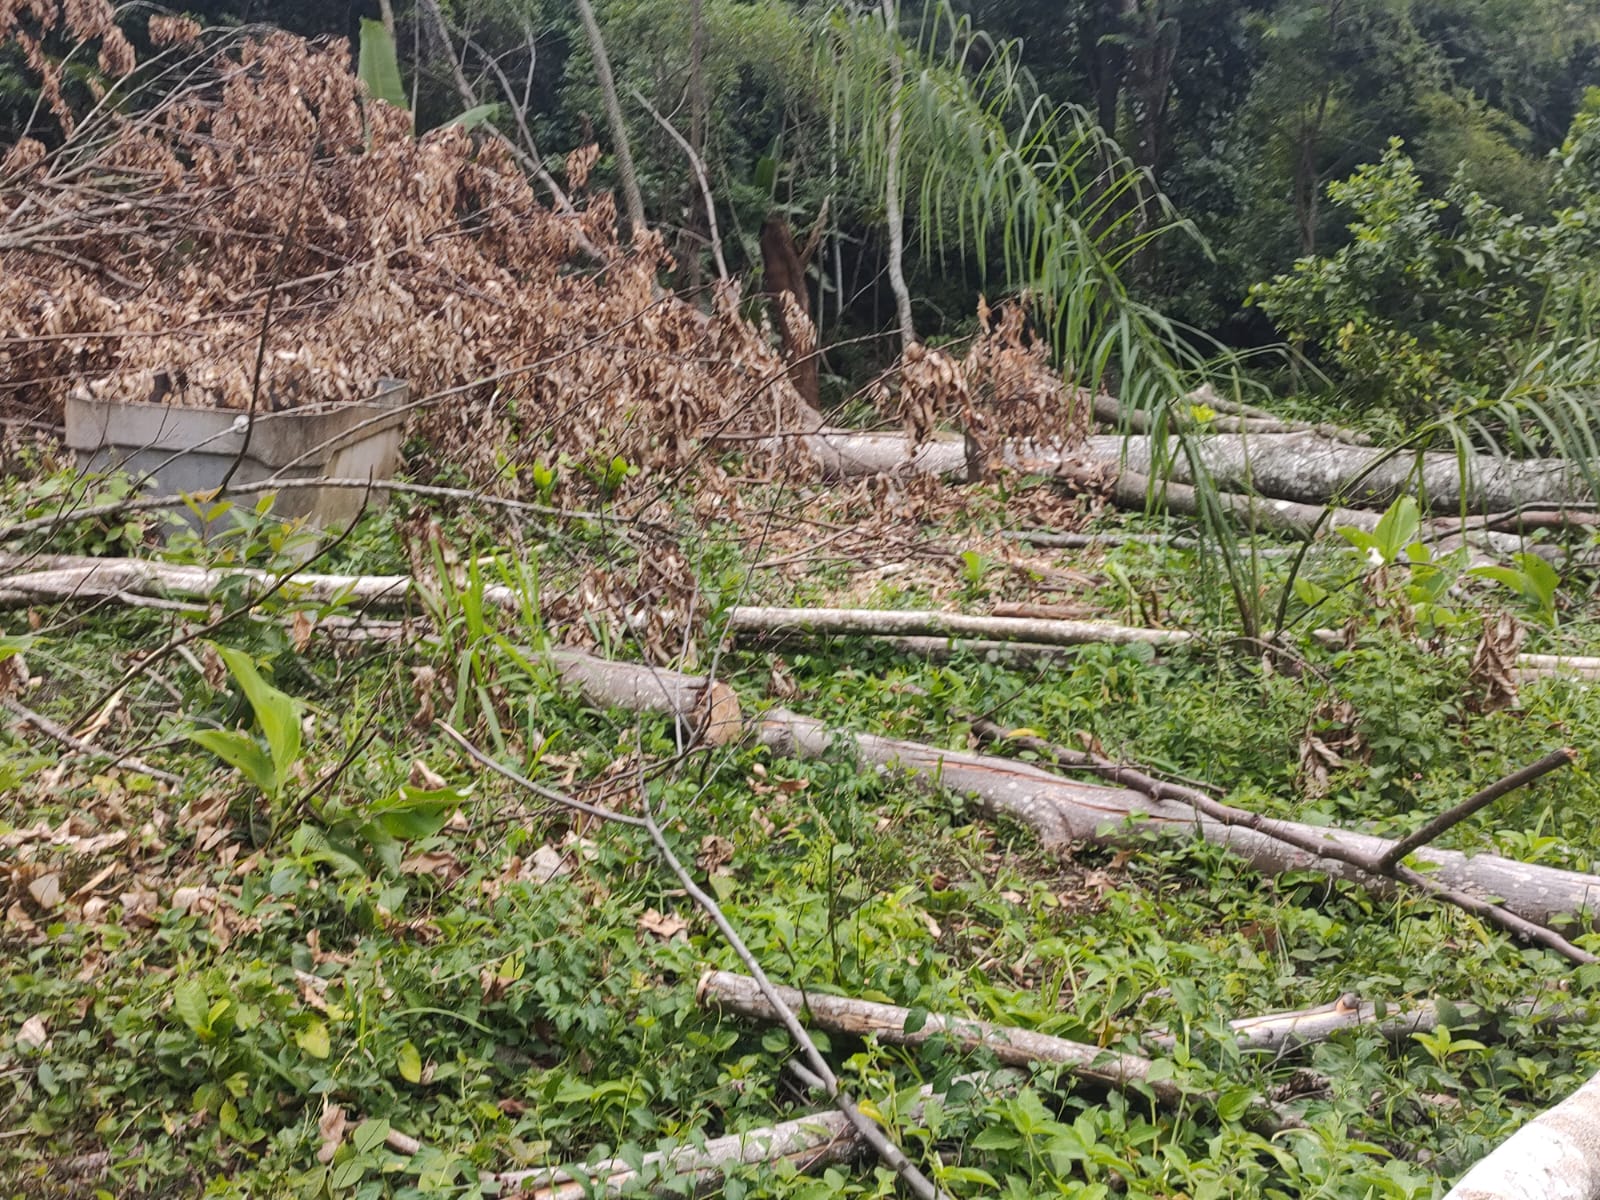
264	977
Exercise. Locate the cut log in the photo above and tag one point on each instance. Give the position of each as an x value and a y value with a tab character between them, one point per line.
760	622
1302	468
1555	1156
1112	1069
1280	1033
1108	411
810	1143
1061	812
1310	469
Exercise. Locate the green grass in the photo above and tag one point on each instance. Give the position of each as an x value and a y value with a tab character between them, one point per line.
208	1000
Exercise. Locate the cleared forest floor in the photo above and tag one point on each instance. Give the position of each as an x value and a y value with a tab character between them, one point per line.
376	968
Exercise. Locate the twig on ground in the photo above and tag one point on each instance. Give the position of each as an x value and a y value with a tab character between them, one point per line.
699	167
79	746
1453	817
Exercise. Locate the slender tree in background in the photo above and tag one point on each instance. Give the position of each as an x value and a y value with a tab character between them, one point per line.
893	200
627	177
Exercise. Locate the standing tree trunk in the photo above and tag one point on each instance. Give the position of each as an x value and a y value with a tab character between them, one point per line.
892	199
697	124
785	273
633	222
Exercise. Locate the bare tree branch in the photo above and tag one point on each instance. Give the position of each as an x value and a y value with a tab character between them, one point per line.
699	167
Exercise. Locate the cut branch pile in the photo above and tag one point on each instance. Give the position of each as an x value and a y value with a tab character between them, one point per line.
322	246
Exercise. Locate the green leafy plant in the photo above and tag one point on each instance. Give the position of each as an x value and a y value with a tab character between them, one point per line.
378	67
1533	579
277	715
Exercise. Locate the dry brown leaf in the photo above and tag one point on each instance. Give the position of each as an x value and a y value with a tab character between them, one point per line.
1492	681
433	862
301	626
33	1034
715	854
1330	742
422	681
721	721
330	1127
46	891
424	777
194	899
665	926
780	685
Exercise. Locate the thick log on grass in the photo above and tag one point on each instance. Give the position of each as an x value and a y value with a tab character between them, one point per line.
1555	1156
809	1143
1116	1070
772	622
1062	812
1311	469
730	992
1303	468
1281	1032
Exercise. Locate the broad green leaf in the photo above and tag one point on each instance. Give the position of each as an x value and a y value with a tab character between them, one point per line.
369	1135
347	1173
1397	528
313	1039
419	822
1308	593
1232	1103
473	117
13	645
1509	576
193	1006
1543	580
241	752
378	66
415	812
277	712
409	1063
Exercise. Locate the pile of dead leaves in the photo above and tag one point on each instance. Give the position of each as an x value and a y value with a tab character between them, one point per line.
245	228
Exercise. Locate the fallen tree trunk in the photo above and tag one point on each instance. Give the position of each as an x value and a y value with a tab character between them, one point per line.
1555	1156
1302	468
1280	1033
1061	811
922	623
809	1143
890	1023
1109	412
1058	810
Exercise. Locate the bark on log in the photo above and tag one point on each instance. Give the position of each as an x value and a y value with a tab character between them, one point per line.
1112	1069
809	1143
1555	1156
924	623
1109	412
1061	812
1302	468
1280	1033
731	992
1310	469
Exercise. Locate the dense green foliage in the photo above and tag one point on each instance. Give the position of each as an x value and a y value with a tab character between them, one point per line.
1436	298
